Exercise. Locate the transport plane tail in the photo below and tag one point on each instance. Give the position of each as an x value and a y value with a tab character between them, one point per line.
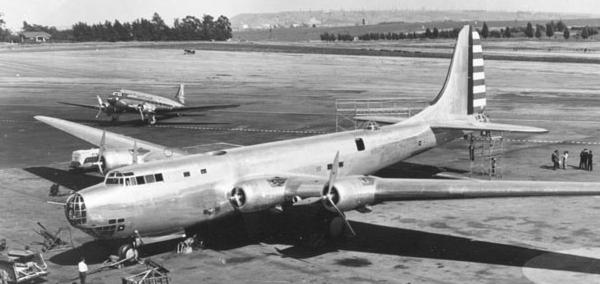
462	101
180	96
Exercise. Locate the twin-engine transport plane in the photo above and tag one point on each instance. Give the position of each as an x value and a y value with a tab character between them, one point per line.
147	105
157	200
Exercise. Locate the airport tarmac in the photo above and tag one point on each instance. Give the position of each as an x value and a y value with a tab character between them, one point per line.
292	95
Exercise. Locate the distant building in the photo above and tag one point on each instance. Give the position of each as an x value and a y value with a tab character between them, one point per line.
29	37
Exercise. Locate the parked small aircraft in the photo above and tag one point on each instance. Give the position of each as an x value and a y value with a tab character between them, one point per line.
147	105
330	171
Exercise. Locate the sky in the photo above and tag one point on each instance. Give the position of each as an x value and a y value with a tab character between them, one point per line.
64	13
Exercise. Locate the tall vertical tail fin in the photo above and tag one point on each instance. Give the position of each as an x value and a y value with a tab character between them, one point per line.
464	89
180	96
461	102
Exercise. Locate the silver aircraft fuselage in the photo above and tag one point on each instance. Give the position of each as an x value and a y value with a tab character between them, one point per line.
129	101
193	189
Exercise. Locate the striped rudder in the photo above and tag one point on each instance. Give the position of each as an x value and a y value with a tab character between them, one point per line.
477	100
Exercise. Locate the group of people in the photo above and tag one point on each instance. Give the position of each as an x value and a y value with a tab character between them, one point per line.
585	160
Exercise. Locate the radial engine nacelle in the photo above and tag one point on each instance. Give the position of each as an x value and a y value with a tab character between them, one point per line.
257	195
113	159
351	193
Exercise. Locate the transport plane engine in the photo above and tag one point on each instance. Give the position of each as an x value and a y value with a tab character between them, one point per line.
351	193
113	159
257	195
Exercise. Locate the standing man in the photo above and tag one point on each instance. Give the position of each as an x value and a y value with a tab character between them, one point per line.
471	150
82	270
590	161
582	161
565	156
555	159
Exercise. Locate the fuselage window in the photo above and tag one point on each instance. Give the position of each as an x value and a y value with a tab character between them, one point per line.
149	178
158	177
186	174
360	144
140	180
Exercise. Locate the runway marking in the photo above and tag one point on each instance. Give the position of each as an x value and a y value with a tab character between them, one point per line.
243	129
552	141
315	132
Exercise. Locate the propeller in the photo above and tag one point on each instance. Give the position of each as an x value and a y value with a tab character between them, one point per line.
330	193
101	106
101	152
134	153
140	108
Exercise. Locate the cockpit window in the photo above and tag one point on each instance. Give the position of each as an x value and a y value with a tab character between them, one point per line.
128	179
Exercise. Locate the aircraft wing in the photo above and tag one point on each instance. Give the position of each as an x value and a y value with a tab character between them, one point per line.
195	108
426	189
485	126
356	192
112	140
96	107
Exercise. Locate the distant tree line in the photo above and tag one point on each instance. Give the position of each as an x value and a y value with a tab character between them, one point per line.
155	29
529	31
435	33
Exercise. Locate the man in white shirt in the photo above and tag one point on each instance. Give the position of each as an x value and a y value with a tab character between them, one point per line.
82	270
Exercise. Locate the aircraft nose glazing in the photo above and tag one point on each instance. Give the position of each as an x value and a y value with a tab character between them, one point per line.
75	210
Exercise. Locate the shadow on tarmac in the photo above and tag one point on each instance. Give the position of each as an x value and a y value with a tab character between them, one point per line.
412	170
378	239
72	180
371	238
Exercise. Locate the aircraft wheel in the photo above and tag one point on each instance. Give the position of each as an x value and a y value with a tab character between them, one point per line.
127	251
152	120
336	227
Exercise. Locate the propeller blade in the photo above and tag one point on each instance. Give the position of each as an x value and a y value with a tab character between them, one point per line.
343	216
134	154
101	152
100	106
141	110
329	196
333	173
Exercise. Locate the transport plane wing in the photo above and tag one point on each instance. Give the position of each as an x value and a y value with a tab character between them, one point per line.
96	107
111	140
195	108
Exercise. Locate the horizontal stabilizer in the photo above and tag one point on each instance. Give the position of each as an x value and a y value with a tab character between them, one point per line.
381	119
485	126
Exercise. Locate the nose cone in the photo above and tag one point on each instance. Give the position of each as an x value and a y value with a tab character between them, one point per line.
75	210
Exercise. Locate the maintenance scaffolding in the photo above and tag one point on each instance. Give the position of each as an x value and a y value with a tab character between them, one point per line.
349	111
486	152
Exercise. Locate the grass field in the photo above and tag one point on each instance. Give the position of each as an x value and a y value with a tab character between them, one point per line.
403	242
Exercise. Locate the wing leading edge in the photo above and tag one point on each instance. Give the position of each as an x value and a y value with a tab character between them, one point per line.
112	140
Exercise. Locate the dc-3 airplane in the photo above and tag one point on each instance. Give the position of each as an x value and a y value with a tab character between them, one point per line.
147	105
156	201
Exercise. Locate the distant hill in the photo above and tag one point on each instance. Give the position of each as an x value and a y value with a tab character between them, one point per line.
310	33
340	18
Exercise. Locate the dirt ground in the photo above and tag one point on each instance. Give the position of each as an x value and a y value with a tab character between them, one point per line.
459	241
